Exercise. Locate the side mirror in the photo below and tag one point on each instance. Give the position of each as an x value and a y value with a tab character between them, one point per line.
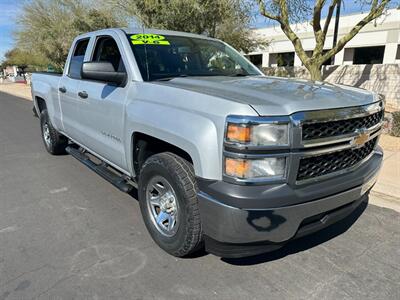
102	71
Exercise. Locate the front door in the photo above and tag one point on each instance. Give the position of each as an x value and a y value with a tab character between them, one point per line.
102	107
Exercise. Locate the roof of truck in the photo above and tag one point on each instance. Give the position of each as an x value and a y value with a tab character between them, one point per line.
164	32
145	31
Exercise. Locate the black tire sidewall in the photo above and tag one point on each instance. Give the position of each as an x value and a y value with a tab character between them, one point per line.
58	142
170	244
44	119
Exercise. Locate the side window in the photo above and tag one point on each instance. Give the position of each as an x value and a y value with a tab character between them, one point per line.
76	62
107	50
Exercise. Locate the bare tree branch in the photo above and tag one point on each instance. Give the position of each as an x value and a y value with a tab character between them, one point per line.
265	13
287	12
375	12
316	22
374	4
285	26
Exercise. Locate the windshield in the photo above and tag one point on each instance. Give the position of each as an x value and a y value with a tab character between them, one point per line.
163	57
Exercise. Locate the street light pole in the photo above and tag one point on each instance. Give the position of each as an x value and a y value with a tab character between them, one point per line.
335	33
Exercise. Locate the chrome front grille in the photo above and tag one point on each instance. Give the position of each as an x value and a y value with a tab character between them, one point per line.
321	130
320	165
323	143
334	141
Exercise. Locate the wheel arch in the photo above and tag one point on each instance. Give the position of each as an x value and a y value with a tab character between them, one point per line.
193	133
144	145
40	104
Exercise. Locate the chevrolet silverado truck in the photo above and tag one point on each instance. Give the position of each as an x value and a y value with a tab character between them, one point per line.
222	157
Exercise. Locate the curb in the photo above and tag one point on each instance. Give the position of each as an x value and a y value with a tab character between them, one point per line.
383	200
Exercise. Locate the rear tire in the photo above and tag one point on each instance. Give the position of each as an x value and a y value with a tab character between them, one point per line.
54	142
167	181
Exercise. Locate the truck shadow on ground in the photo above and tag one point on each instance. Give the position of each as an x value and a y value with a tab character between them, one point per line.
304	243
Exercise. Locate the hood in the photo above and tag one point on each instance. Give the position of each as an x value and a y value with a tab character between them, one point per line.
276	96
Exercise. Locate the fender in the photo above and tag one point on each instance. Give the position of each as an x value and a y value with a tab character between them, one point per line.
45	91
163	123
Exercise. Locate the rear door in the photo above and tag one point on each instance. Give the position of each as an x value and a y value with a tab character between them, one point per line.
68	89
101	111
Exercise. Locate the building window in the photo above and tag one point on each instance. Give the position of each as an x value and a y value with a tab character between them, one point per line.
329	61
368	55
348	56
256	59
285	59
281	59
398	54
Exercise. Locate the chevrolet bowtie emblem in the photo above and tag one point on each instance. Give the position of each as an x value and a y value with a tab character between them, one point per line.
360	139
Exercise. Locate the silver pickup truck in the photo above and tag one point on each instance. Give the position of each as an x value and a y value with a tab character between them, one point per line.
222	156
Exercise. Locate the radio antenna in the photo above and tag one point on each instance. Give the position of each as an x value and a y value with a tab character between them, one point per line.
145	54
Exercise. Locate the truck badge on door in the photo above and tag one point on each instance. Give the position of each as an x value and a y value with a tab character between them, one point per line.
113	137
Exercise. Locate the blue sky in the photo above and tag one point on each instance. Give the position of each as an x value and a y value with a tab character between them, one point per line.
9	11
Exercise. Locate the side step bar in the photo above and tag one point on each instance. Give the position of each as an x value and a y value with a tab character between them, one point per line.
101	169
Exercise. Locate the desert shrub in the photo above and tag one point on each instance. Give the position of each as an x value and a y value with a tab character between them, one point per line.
395	130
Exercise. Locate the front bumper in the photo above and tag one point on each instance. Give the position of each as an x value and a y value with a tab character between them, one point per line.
228	218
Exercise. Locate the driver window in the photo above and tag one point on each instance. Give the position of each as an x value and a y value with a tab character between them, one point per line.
106	50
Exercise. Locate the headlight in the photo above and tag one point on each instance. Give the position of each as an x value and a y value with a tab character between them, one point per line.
258	134
270	167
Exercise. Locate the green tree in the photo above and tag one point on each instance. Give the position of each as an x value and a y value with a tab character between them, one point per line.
228	20
287	12
48	27
22	58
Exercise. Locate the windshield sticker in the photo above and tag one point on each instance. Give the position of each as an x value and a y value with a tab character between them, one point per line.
149	39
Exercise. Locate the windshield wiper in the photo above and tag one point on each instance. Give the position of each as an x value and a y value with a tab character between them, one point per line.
171	77
168	78
238	75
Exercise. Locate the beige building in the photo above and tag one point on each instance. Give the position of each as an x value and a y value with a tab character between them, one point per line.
377	43
371	60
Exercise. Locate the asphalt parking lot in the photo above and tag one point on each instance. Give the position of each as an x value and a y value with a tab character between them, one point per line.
65	233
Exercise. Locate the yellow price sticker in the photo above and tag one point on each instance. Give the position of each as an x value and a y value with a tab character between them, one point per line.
149	39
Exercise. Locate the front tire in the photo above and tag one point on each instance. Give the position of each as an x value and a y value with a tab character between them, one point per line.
54	142
169	205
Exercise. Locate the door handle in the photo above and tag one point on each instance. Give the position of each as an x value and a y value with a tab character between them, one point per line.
83	94
62	89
